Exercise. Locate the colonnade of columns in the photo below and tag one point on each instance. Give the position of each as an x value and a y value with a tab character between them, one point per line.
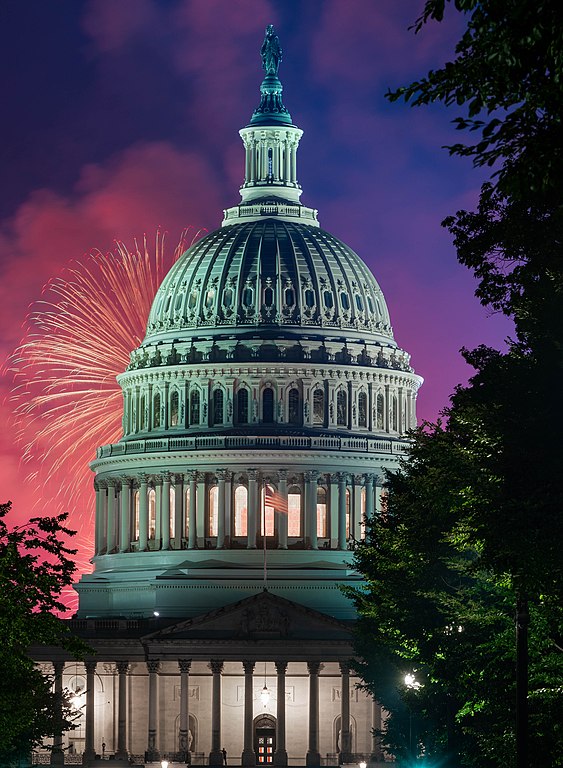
175	510
216	666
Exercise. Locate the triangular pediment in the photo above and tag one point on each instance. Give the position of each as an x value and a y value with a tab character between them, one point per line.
262	616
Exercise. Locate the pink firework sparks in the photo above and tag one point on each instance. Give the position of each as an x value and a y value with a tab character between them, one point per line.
65	397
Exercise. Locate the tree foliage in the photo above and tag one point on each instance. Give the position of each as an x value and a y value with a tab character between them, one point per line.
473	518
35	566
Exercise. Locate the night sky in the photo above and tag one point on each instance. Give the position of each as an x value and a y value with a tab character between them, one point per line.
122	116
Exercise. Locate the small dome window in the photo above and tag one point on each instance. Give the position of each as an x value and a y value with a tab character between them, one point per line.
248	297
178	302
328	300
193	300
345	301
370	304
209	298
268	297
289	297
168	301
310	297
228	298
359	303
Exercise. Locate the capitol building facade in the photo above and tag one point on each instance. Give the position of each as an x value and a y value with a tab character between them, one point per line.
259	416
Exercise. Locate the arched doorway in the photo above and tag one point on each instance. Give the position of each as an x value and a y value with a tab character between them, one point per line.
265	739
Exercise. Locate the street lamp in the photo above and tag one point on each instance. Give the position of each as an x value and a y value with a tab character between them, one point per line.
412	684
363	764
164	764
265	693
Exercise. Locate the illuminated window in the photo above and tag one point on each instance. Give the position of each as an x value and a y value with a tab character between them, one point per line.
152	513
218	400
209	297
347	513
268	406
137	504
294	410
213	511
156	411
194	406
241	510
341	408
318	407
267	516
228	298
380	412
242	406
174	407
363	513
362	409
187	512
294	511
321	513
172	513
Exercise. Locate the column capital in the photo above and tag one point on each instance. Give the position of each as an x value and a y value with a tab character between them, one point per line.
184	665
282	474
223	474
342	477
166	476
122	667
58	667
90	666
252	474
216	666
143	478
281	667
344	667
153	665
192	476
314	667
311	475
111	482
248	666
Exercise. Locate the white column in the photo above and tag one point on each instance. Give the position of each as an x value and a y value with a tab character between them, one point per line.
89	747
248	757
125	519
313	755
215	756
99	519
345	747
192	512
165	511
122	669
57	754
153	667
280	755
369	496
228	507
311	508
342	510
178	510
143	513
184	665
221	473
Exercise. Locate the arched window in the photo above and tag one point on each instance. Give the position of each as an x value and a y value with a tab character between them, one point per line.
394	414
186	512
213	515
267	516
268	406
174	408
242	406
294	511
143	413
289	297
310	298
172	511
136	521
194	406
294	409
341	408
152	513
268	297
156	411
380	411
363	513
348	521
241	510
318	407
321	513
362	409
248	297
217	413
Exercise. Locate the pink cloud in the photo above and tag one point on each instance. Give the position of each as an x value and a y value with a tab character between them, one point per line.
112	25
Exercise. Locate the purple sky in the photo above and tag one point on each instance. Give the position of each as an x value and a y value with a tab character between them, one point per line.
121	116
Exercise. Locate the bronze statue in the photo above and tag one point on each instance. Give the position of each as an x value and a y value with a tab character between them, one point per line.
271	51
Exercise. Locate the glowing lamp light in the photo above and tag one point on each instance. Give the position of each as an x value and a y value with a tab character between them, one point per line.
265	695
411	681
164	764
157	614
363	764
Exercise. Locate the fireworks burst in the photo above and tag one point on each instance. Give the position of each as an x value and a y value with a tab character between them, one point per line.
66	400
